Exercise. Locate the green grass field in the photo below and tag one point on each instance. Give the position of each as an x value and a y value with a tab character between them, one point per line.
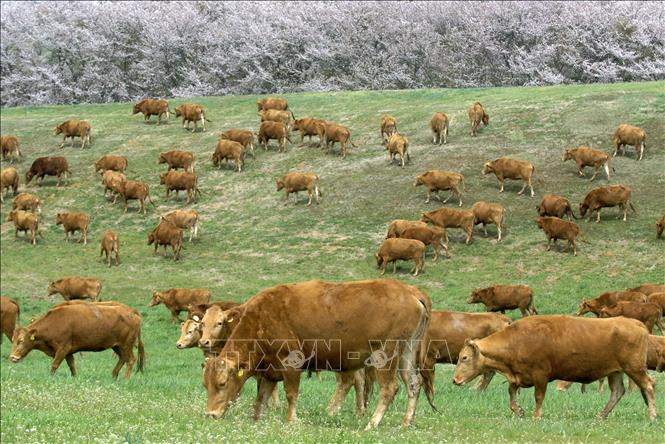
250	240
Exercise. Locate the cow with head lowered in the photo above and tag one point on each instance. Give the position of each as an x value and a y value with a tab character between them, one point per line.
607	197
585	156
477	114
507	168
555	206
166	234
152	107
629	135
191	112
73	128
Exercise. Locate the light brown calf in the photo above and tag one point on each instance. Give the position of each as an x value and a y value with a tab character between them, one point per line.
505	297
556	228
585	156
647	313
487	213
398	145
296	181
24	221
110	244
229	150
437	180
73	221
388	126
555	206
439	127
243	137
629	135
506	168
8	180
477	114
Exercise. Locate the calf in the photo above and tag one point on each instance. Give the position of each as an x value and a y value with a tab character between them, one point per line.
660	226
76	287
506	168
629	135
310	127
505	297
555	206
8	180
398	145
338	133
647	313
110	244
439	127
229	150
152	107
605	197
489	213
48	166
243	137
273	130
388	126
73	128
179	299
477	114
585	156
110	162
434	236
185	219
10	147
191	112
272	103
452	218
111	181
556	228
180	181
177	159
9	314
295	182
134	190
608	299
398	226
24	221
437	180
394	249
27	202
74	221
166	234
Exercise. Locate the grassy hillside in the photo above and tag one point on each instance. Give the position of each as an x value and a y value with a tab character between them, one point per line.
251	240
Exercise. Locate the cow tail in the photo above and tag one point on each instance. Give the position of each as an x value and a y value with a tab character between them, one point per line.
99	299
353	144
632	207
141	363
292	116
463	183
582	239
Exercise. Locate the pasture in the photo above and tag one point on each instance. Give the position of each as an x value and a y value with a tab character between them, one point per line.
250	240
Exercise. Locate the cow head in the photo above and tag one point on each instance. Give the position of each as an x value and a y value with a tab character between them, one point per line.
57	130
157	298
540	221
54	287
379	259
217	325
469	363
162	178
179	111
12	216
583	209
215	159
488	168
427	218
190	333
162	158
476	296
223	378
660	226
280	184
59	218
259	105
28	176
137	108
24	340
486	119
419	180
567	155
585	307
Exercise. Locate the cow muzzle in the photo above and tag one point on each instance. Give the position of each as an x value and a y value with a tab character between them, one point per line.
14	359
216	414
179	345
458	381
204	343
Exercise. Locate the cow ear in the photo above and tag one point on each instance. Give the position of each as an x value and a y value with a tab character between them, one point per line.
196	318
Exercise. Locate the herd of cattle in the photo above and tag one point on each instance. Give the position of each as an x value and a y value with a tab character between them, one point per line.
323	326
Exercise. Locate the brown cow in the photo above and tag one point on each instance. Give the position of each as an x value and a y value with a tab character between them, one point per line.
398	145
505	297
310	127
166	234
73	221
134	190
73	128
452	218
296	181
8	180
439	127
229	150
555	206
71	327
445	339
398	226
272	103
556	228
10	147
658	299
660	226
243	137
647	313
338	133
48	166
9	314
274	115
605	197
177	159
110	162
507	168
629	135
434	236
388	126
179	299
152	107
273	130
27	202
648	289
111	181
180	181
438	180
477	114
539	349
585	156
489	213
191	112
110	244
76	287
25	221
329	312
608	299
185	219
394	249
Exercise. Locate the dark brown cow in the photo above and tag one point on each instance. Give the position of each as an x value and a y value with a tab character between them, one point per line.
166	234
73	327
229	150
243	137
48	166
439	127
608	299
660	226
76	287
606	197
398	145
487	213
296	181
434	236
273	130
647	313
338	133
398	226
191	112
585	156
437	180
310	127
177	159
556	228
507	168
134	190
110	244
539	349
388	126
394	249
73	128
27	202
629	135
452	218
180	181
10	148
505	297
9	180
555	206
9	314
25	221
272	103
73	221
477	114
648	289
179	299
110	162
152	107
185	219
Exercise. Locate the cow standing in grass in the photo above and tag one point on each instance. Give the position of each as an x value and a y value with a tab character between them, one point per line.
74	128
152	107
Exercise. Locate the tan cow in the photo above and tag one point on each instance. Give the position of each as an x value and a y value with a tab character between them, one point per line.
398	145
556	228
585	156
340	134
438	180
394	249
434	236
217	324
191	112
272	103
555	206
9	314
166	234
76	287
27	202
273	130
648	289
134	190
177	159
540	349
505	297
295	181
10	148
310	127
439	127
489	213
180	181
452	218
398	226
111	181
110	162
152	107
73	221
229	150
73	128
629	135
185	219
25	221
658	299
477	114
243	137
647	313
8	180
110	244
606	197
179	299
48	166
388	126
608	299
660	226
273	115
507	168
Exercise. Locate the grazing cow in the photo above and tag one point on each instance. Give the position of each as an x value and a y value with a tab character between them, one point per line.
179	299
25	221
110	244
177	159
243	137
658	299
585	156
629	135
388	126
489	213
394	249
27	202
72	327
660	226
326	311
648	289
152	107
506	168
48	166
452	218
310	127
8	180
477	114
398	145
185	219
9	314
111	181
76	287
10	147
434	236
608	299
73	128
191	112
338	133
605	197
273	130
398	226
273	115
439	127
166	234
110	162
272	103
296	181
556	228
539	349
555	206
445	339
229	150
134	190
437	180
647	313
505	297
180	181
74	221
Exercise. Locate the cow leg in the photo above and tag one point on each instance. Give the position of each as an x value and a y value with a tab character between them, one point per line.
661	326
71	364
174	315
85	236
388	389
429	194
595	173
625	212
646	385
514	406
291	387
615	381
344	381
598	214
523	188
60	354
539	392
501	183
394	266
128	356
119	364
309	202
265	388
